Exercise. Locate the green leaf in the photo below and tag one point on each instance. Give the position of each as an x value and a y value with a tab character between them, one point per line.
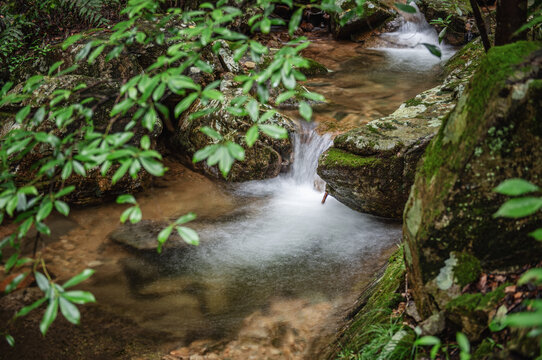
15	282
238	53
427	340
126	214
71	40
42	281
95	53
62	207
285	96
520	207
435	50
24	311
164	234
295	20
314	96
79	297
153	166
275	131
534	275
126	199
45	209
22	114
523	319
67	170
537	234
252	135
43	229
212	133
305	110
136	215
123	168
189	235
82	276
185	104
69	310
204	153
265	25
406	8
253	109
236	150
515	187
64	191
49	316
10	340
463	342
185	218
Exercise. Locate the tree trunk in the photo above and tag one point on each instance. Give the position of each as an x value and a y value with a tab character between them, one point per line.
480	24
511	15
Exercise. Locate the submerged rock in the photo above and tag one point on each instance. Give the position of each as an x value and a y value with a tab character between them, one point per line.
493	134
144	234
372	168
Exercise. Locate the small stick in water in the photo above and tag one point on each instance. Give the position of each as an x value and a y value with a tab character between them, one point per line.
325	197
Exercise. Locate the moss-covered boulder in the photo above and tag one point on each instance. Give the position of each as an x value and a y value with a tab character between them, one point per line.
461	29
375	13
102	93
493	134
265	159
372	168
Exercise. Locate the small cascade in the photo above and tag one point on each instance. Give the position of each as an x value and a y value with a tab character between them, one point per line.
308	146
405	46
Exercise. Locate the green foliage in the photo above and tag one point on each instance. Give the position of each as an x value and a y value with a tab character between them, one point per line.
29	199
518	208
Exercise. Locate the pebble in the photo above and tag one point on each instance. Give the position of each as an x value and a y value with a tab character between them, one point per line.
250	65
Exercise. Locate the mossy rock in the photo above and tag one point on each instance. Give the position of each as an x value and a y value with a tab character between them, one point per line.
493	134
470	312
375	13
372	309
265	159
457	32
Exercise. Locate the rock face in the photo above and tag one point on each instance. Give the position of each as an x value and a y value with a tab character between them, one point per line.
493	134
461	29
372	168
375	13
265	159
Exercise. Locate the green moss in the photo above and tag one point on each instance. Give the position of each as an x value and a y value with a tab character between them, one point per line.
498	65
468	303
413	102
381	298
467	270
338	157
483	350
473	52
314	68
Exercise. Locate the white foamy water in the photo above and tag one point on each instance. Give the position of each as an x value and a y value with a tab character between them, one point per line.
284	221
407	52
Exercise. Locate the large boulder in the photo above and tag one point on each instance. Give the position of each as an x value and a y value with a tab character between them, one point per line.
371	168
493	134
461	28
265	159
374	15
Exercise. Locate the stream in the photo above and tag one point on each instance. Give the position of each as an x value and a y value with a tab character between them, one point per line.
276	270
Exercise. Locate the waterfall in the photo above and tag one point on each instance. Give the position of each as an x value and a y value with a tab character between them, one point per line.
405	46
308	146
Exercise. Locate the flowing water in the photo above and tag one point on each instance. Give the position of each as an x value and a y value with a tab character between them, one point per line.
269	249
